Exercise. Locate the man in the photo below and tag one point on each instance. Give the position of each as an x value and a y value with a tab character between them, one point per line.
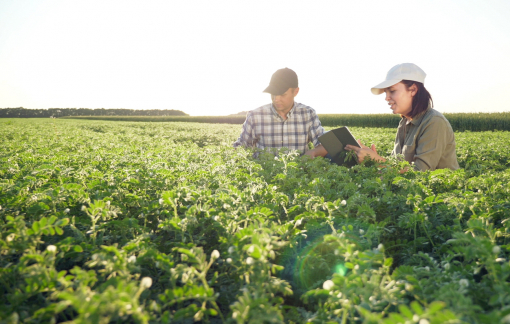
284	122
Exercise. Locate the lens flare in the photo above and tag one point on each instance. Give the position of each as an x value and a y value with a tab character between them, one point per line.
315	262
340	269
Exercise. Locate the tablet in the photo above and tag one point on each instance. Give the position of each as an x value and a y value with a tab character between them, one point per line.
334	142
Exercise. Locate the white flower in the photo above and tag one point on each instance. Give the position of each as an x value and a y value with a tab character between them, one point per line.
447	266
131	259
216	218
299	221
51	248
251	249
496	249
229	260
215	254
328	284
416	318
275	187
380	247
249	260
108	203
161	201
66	211
424	321
137	170
83	208
356	267
361	231
343	203
231	249
0	207
464	283
146	282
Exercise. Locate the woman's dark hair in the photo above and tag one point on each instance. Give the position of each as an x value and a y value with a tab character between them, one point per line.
421	99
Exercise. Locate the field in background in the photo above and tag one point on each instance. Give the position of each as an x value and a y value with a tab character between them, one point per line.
122	222
460	121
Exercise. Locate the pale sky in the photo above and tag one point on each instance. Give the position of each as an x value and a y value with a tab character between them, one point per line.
216	57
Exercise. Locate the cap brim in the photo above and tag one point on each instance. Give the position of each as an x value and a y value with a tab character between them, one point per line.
378	89
275	90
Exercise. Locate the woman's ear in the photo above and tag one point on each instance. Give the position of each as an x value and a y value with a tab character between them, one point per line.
413	89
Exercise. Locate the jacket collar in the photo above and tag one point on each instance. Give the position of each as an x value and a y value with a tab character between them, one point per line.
418	118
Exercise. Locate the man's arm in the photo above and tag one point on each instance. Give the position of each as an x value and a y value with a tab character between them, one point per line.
314	132
318	151
246	138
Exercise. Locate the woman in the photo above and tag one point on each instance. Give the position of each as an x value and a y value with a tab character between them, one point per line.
424	136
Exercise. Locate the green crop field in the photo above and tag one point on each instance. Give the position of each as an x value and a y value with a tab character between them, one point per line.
138	222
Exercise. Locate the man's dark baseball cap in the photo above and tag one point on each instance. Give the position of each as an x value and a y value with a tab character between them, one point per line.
281	81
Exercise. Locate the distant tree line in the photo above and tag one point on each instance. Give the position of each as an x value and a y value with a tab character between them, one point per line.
20	112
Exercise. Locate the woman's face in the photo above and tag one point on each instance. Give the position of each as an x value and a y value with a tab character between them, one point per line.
400	99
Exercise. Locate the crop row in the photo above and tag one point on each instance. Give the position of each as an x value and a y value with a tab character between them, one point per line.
475	122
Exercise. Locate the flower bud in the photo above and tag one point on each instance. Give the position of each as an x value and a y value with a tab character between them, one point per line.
146	282
328	284
215	254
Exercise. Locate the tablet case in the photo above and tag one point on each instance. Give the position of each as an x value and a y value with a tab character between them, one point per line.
334	142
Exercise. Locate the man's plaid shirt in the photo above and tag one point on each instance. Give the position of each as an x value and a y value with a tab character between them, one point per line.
265	129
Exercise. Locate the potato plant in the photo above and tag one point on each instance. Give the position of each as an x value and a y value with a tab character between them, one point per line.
136	222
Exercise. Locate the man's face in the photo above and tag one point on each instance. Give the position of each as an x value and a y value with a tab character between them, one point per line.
285	101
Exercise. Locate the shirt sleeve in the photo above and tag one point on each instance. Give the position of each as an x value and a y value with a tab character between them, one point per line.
246	138
431	145
315	129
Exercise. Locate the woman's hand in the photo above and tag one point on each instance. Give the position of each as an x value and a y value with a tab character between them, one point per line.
364	151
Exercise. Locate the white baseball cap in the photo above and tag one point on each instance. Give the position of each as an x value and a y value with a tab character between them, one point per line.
404	71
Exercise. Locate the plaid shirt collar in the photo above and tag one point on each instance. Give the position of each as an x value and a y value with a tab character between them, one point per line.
289	114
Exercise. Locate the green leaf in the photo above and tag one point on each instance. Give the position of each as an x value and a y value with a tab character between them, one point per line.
435	307
52	230
52	220
254	251
43	222
404	310
36	227
62	222
58	230
416	307
388	262
77	248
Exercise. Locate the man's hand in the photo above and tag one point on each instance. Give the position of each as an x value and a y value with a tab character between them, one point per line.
318	151
364	151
